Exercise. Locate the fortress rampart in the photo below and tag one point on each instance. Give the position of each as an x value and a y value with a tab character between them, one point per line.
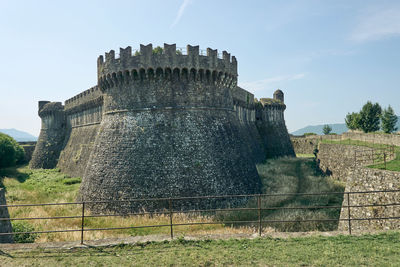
161	123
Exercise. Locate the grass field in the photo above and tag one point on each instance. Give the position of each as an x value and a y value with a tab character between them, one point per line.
353	143
366	250
285	175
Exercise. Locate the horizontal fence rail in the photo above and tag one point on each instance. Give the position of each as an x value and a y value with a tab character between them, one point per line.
169	211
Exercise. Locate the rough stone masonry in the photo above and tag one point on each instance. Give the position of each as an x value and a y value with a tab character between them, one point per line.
162	124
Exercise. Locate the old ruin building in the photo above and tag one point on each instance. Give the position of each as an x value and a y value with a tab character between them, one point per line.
163	123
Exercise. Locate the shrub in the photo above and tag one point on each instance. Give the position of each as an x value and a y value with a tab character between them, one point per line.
23	227
11	152
308	134
69	181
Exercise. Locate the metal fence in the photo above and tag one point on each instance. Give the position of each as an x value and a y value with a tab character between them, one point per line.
373	155
259	222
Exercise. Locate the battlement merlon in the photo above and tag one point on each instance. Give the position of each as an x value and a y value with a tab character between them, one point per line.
169	57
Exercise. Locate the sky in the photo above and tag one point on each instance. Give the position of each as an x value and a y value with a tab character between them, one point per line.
329	57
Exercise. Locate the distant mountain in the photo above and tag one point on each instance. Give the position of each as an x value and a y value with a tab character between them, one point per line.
19	136
338	128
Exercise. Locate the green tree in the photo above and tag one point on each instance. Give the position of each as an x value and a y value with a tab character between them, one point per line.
353	121
11	152
158	50
389	120
370	115
327	129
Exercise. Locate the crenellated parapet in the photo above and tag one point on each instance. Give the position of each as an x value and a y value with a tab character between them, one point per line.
90	95
166	64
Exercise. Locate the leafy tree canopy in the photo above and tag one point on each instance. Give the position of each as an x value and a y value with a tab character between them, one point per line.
389	120
327	129
11	152
353	121
370	115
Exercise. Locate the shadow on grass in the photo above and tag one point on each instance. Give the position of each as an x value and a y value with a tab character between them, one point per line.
13	173
294	177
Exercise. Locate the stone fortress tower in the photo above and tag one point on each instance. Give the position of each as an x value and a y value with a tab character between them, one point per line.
52	134
161	123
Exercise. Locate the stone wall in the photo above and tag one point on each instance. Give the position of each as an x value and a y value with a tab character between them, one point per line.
5	226
244	107
305	145
84	98
365	179
75	155
378	138
340	160
83	120
28	147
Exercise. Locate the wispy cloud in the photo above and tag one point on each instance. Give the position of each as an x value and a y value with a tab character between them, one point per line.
375	24
180	12
269	82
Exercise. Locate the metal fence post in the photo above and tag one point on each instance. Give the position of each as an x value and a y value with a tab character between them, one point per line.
348	211
259	215
384	159
83	221
170	217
